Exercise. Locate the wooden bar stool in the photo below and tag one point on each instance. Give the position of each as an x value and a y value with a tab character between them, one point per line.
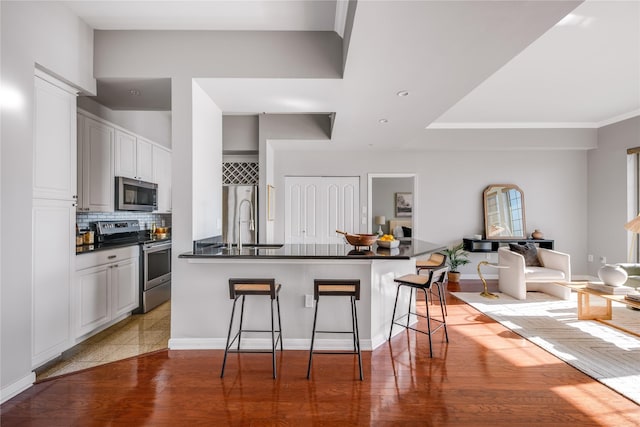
415	281
435	261
343	288
241	288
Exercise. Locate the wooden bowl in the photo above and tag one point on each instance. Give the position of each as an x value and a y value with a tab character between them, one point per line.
361	239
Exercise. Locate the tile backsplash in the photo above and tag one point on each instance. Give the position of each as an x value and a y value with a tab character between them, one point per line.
85	219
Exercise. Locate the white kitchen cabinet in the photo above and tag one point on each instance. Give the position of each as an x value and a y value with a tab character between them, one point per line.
106	288
162	177
53	214
133	156
92	297
125	292
96	151
54	149
53	263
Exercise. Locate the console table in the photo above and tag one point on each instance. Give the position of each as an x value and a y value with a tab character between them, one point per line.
492	245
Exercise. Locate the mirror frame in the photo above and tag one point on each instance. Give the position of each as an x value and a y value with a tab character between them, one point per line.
491	188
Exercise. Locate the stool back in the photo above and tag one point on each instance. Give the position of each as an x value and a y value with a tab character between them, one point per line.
252	287
438	276
336	287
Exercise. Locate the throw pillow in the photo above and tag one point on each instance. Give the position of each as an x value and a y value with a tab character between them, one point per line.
528	251
406	231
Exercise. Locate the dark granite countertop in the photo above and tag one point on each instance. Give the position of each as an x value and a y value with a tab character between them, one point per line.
142	239
406	250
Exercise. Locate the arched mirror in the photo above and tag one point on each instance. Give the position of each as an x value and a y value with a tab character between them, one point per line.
504	212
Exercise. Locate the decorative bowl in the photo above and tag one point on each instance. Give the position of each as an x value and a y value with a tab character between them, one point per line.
388	243
358	240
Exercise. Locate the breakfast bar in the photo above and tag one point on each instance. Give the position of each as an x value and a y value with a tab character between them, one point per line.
295	266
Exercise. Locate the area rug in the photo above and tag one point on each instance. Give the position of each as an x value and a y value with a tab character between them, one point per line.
606	354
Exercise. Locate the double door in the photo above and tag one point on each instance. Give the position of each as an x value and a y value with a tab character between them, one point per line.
315	207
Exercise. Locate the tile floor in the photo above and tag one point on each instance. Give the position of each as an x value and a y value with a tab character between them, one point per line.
137	334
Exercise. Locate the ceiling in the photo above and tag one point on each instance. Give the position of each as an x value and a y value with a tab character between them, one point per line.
541	64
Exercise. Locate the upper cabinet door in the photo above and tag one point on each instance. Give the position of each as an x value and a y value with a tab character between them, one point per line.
144	160
97	171
162	177
54	150
126	153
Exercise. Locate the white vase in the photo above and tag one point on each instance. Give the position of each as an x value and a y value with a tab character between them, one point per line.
612	275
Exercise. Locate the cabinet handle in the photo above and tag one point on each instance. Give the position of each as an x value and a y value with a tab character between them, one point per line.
114	265
74	204
75	196
112	256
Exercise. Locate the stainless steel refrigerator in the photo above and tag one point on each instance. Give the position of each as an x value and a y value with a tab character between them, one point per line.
239	202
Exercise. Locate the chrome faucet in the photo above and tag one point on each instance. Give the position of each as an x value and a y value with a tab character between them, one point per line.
251	221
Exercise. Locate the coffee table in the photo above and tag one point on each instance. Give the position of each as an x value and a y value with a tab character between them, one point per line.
588	311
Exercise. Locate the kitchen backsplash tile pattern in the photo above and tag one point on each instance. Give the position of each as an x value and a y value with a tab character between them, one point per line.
86	218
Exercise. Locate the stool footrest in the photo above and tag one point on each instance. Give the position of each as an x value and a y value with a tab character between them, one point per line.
334	332
257	350
334	352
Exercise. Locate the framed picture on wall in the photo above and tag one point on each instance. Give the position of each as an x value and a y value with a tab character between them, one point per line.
404	204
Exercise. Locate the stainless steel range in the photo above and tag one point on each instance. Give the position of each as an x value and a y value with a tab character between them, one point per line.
156	274
155	259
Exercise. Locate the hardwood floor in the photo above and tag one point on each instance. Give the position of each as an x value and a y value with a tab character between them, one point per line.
485	376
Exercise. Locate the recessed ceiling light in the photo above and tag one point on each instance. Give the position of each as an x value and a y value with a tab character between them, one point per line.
403	93
135	92
383	121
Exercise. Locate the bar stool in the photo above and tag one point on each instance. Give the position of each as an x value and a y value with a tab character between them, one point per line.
344	288
435	261
241	288
415	281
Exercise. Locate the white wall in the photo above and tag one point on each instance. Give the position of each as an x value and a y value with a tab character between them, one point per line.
608	208
240	133
153	125
207	166
450	185
47	34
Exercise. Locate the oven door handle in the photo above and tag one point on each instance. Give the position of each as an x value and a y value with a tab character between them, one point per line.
156	247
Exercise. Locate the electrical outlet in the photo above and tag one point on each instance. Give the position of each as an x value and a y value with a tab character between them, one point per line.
603	259
308	301
589	258
364	220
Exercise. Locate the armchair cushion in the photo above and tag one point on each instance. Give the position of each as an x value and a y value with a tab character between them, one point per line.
528	251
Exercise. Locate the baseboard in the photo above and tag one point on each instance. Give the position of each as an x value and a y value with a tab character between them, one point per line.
265	343
17	387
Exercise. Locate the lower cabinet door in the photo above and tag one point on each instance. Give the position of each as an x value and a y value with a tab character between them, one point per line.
125	287
93	299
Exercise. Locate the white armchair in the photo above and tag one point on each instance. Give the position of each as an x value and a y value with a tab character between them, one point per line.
518	278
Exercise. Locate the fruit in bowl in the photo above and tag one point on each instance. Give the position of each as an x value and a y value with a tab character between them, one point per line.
388	241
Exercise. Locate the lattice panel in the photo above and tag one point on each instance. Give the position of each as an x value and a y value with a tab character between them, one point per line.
240	173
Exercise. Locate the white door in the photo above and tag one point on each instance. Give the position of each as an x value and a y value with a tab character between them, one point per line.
53	256
315	207
54	150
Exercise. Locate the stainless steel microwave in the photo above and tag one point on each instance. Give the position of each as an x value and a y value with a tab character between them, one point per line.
136	195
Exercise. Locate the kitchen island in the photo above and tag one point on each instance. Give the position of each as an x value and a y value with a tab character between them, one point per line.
295	266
